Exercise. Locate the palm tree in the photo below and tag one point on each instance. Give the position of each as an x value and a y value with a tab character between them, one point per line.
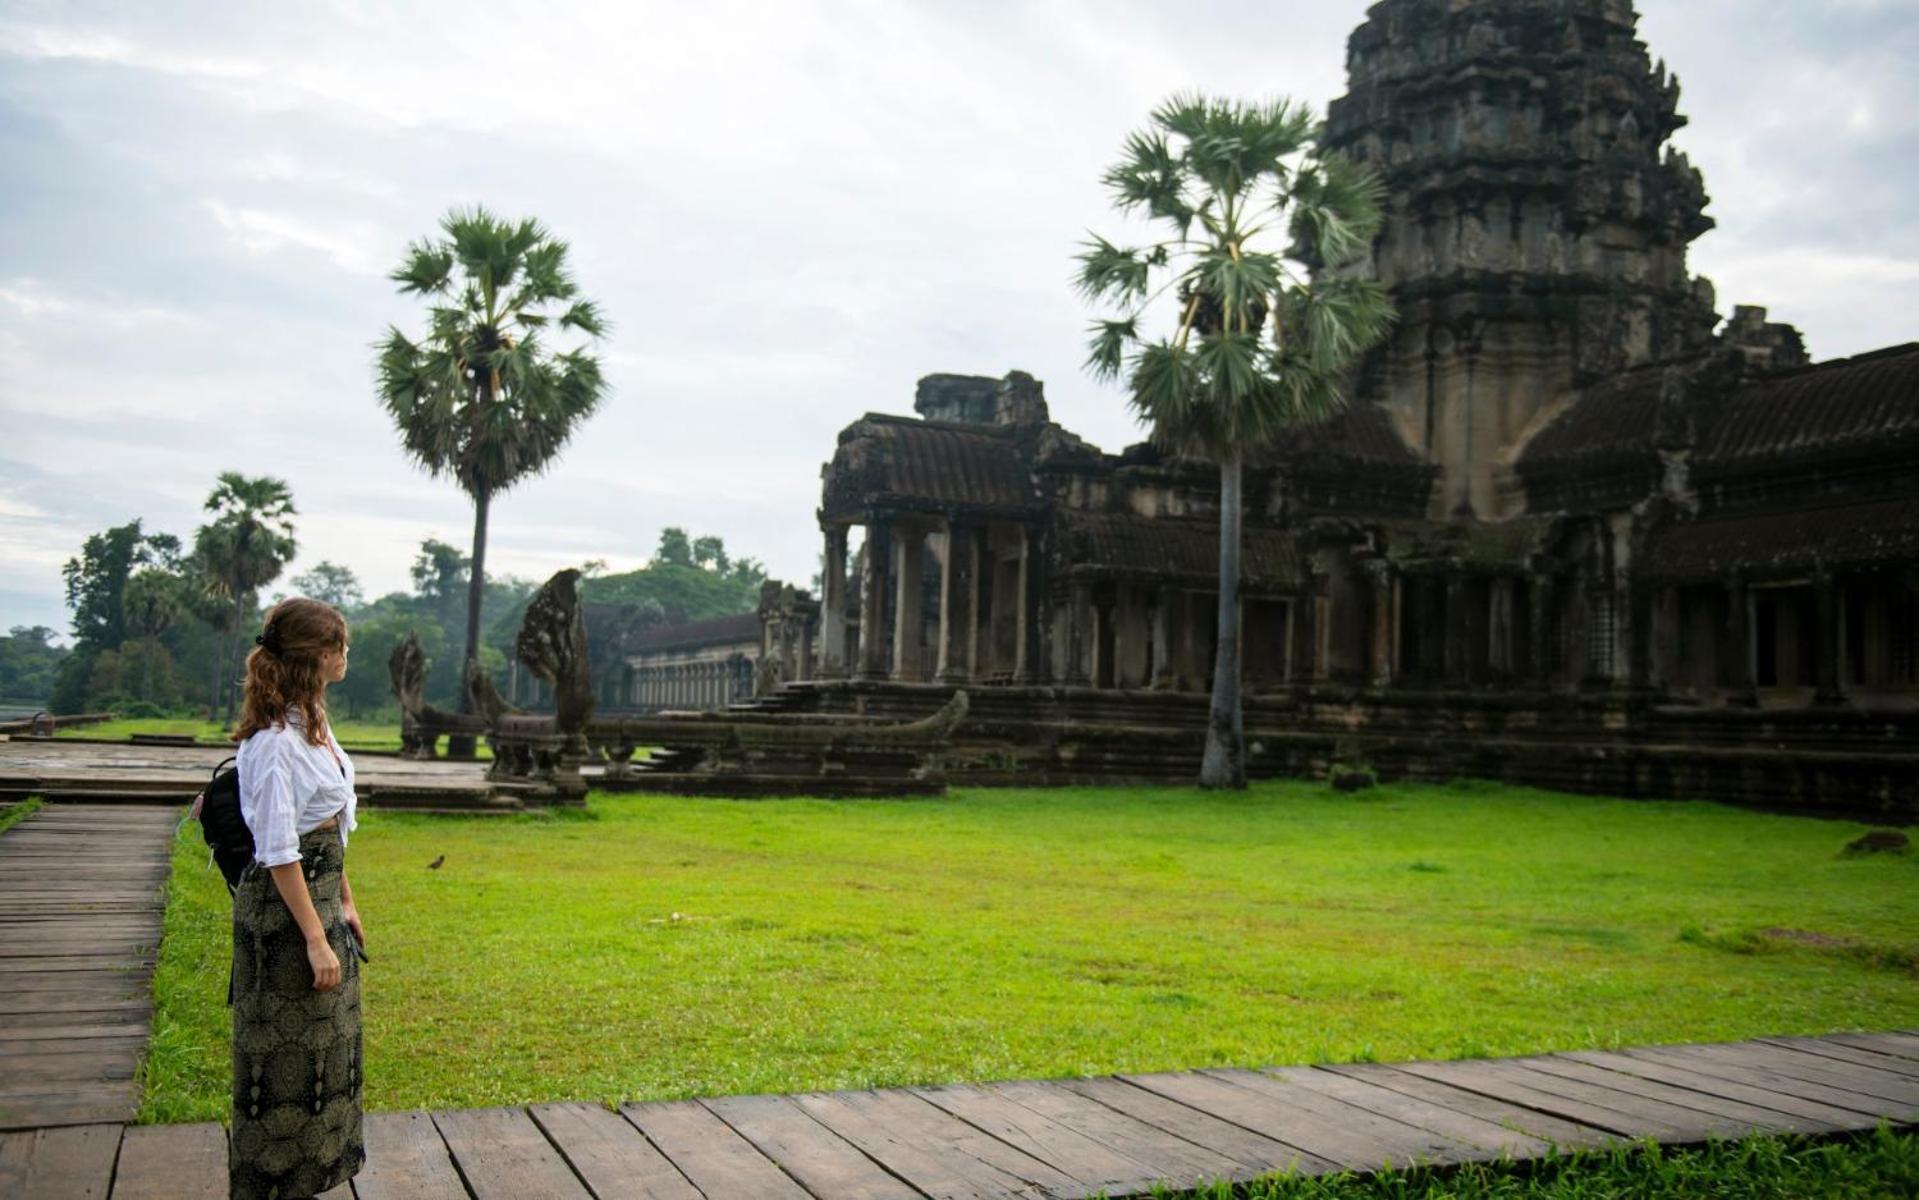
152	604
482	397
1263	268
244	548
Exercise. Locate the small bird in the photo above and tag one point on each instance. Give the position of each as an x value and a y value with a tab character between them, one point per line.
435	864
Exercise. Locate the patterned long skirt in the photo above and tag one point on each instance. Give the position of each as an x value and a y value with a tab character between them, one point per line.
296	1051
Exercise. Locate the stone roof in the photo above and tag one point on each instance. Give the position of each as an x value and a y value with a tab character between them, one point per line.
1363	433
1868	404
695	635
1610	424
1776	543
885	461
1492	545
1175	550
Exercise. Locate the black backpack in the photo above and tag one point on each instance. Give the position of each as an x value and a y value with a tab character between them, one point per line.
222	825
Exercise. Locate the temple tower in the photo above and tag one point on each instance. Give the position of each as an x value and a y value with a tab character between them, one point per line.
1538	220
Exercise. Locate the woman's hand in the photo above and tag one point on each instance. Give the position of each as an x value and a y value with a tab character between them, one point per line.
325	964
352	915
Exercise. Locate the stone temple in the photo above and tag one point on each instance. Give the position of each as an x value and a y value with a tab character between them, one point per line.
1574	529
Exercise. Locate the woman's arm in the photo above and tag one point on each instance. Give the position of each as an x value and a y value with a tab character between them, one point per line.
293	889
349	910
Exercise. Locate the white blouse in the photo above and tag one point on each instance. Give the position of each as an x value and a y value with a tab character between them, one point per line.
288	787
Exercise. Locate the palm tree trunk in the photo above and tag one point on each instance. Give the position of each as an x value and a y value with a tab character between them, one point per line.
462	745
233	657
1224	762
218	658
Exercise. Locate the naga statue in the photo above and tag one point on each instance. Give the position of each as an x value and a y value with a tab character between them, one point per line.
552	644
422	724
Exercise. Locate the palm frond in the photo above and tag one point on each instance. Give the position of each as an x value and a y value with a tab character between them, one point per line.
1111	272
1106	351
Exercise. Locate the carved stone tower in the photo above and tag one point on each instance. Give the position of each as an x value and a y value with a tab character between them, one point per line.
1536	232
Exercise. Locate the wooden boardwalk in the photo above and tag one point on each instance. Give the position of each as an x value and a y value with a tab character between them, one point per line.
1057	1138
82	889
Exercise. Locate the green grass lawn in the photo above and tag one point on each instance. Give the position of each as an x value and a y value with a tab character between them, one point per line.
354	735
655	947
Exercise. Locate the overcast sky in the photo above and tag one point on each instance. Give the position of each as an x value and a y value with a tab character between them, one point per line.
790	211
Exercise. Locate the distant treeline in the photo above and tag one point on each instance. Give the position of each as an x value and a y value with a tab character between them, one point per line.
160	629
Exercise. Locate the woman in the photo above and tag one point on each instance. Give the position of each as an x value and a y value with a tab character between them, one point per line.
296	982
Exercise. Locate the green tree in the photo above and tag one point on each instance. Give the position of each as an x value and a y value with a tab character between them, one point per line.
330	583
710	553
244	548
676	549
482	397
1262	270
442	577
153	604
97	579
29	663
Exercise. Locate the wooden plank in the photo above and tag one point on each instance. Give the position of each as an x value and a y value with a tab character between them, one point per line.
1181	1161
1742	1118
54	1164
945	1158
1896	1098
81	1066
1259	1113
1831	1118
614	1158
12	1032
33	1105
1890	1044
709	1153
1864	1106
1827	1048
1889	1086
1493	1138
1254	1151
1378	1141
1097	1166
20	1049
1551	1096
823	1162
406	1159
172	1162
1622	1093
501	1152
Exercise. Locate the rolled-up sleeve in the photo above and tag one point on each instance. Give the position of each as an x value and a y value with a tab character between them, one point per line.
275	838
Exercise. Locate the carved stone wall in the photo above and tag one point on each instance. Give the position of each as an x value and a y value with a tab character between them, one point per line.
1538	219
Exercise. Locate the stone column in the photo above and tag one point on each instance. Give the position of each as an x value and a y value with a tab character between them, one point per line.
805	671
1740	689
956	604
1026	643
1830	639
879	560
1379	575
1164	623
1499	628
1539	599
908	555
833	606
1454	658
1638	638
1079	620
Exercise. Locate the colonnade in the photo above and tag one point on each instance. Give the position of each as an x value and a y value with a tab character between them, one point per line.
700	684
985	623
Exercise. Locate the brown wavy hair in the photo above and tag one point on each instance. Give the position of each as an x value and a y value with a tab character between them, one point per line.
283	669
